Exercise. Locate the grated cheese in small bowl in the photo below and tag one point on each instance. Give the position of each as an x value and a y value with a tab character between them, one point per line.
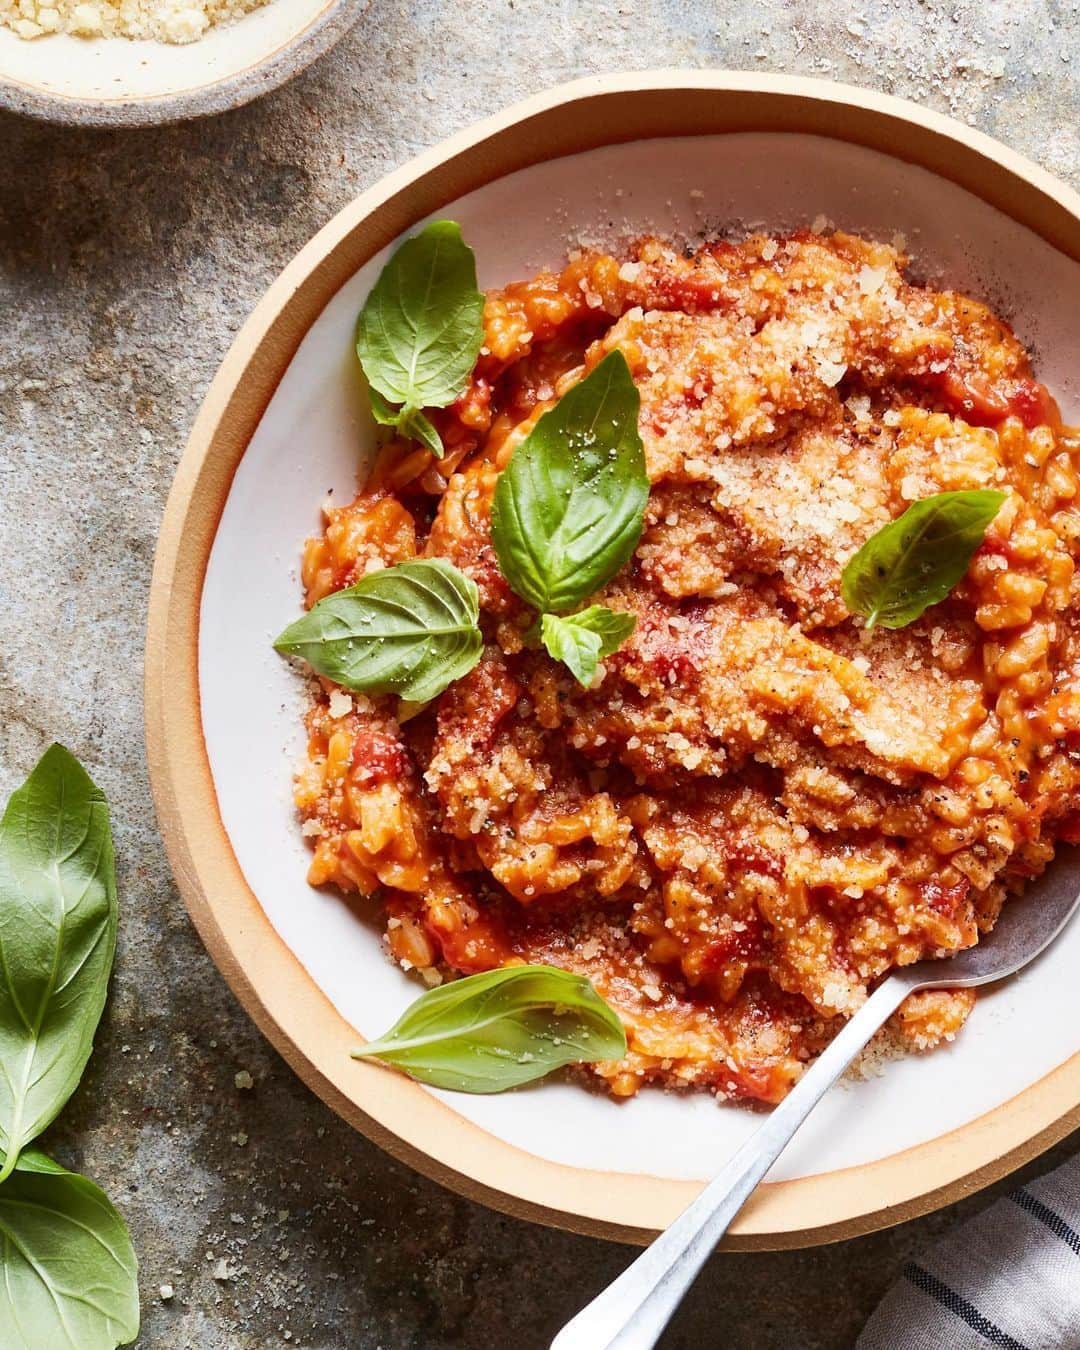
173	21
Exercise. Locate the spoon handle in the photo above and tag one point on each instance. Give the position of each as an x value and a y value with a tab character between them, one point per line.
634	1309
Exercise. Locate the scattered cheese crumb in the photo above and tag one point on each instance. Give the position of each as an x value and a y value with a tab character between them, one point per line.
830	372
166	1292
871	279
244	1081
859	407
340	704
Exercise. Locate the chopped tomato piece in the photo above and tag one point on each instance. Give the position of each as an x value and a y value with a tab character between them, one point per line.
377	757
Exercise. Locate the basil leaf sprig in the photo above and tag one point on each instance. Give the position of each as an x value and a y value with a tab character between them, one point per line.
916	560
421	330
410	630
67	1267
57	939
569	507
568	512
580	640
408	422
499	1029
69	1273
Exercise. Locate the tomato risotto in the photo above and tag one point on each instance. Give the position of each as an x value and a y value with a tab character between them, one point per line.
758	804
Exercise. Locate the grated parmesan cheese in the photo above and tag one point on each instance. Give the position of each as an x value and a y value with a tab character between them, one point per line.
340	704
172	21
871	279
830	372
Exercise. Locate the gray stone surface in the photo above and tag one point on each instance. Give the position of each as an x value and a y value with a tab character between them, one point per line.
127	262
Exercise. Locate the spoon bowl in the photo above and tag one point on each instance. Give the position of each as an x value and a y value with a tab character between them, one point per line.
1027	925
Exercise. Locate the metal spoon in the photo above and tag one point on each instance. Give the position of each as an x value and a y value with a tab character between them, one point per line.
634	1309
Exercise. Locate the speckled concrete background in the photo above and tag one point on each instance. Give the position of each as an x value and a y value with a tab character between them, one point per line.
127	262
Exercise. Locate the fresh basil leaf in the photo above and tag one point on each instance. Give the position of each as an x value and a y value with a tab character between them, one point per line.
916	560
69	1270
413	425
421	329
417	427
580	640
409	630
57	939
496	1030
384	413
568	508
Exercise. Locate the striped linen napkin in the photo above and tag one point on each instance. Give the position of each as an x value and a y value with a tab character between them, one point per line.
1008	1278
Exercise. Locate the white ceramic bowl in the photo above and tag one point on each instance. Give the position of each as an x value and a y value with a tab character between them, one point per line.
285	421
118	82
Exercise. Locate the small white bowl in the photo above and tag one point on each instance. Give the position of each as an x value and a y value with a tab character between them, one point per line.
111	82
